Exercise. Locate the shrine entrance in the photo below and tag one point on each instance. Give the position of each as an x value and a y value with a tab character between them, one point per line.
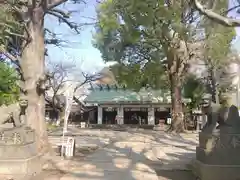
109	115
161	114
92	116
135	116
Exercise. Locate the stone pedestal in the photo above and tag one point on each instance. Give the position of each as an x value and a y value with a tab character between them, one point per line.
217	156
160	126
18	153
218	172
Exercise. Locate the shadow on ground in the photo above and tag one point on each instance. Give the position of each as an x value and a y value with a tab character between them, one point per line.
175	175
141	155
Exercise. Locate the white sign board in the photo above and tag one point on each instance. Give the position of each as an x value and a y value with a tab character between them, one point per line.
169	121
83	124
70	147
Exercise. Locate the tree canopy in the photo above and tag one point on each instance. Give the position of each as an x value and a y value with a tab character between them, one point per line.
135	76
162	35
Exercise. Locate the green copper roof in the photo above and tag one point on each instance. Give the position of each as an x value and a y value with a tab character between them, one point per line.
112	96
106	94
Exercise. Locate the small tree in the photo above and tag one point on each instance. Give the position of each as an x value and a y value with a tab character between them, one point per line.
59	75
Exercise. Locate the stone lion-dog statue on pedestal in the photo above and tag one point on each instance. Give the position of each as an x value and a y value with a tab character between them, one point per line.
14	113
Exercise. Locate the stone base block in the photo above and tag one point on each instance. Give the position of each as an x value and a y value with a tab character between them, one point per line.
221	156
215	172
19	168
13	151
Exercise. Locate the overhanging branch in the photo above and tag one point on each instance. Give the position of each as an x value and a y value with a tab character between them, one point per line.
54	3
215	16
61	12
61	18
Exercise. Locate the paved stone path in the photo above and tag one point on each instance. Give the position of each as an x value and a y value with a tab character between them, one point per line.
131	155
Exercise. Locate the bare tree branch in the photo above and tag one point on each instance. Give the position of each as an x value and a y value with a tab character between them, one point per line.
57	84
215	16
231	9
87	79
61	18
61	12
54	3
56	80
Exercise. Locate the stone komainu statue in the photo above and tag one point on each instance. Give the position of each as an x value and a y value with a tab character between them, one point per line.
222	116
14	113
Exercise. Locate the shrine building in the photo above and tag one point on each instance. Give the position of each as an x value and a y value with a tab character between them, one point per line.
118	105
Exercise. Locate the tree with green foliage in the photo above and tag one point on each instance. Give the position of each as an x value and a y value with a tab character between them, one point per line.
193	89
164	32
150	31
9	91
217	51
133	76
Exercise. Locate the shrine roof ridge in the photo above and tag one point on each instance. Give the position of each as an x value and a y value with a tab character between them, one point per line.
107	87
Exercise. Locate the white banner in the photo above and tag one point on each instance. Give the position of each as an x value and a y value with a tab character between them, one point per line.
69	100
70	147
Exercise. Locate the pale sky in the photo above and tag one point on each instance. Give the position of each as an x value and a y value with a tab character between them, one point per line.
80	49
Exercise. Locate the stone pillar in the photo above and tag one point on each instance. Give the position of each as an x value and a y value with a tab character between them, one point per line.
151	116
100	111
120	115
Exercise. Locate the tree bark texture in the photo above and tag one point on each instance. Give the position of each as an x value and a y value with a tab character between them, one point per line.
33	67
177	107
177	58
214	88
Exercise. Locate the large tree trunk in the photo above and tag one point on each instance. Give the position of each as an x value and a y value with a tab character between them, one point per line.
177	108
33	67
176	58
